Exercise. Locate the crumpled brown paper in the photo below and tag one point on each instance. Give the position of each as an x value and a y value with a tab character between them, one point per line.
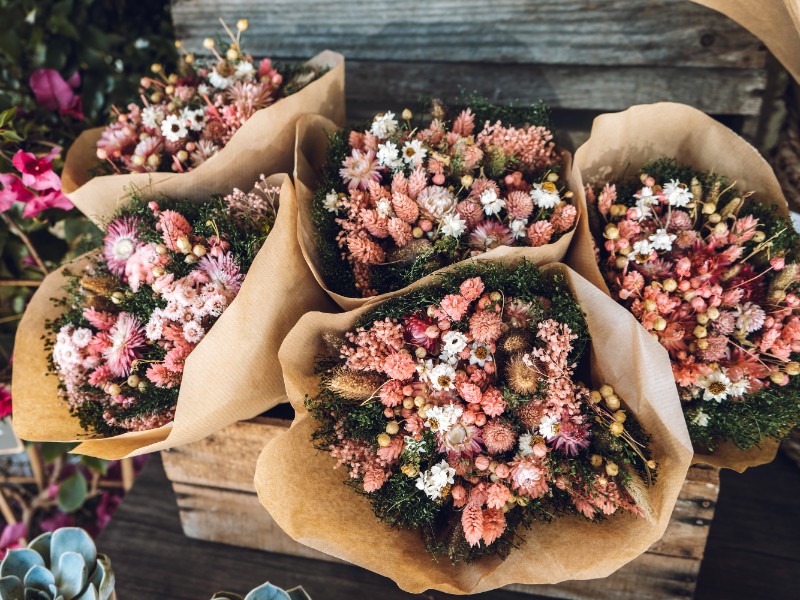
232	374
309	500
269	134
774	22
310	157
621	143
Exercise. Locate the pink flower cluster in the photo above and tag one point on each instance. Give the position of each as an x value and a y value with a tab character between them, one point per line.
706	284
408	191
442	373
37	185
186	118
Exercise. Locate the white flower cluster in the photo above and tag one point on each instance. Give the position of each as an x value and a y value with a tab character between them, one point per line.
436	479
442	418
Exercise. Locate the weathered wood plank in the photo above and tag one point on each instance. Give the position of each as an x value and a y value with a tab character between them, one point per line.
579	32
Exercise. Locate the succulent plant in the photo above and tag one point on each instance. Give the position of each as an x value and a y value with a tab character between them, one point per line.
266	591
63	565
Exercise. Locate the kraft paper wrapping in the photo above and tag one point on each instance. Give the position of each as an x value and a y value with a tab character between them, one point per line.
269	133
774	22
621	143
309	500
232	374
310	157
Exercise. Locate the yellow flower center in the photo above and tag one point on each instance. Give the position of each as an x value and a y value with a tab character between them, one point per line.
444	381
549	187
717	388
481	352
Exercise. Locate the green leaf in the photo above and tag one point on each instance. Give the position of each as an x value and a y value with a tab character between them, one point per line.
7	116
72	493
53	450
11	136
98	465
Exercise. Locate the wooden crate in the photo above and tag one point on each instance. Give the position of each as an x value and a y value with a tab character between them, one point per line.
213	483
582	57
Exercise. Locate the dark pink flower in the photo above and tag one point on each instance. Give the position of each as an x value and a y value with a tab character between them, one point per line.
52	92
12	536
13	191
37	173
52	199
5	402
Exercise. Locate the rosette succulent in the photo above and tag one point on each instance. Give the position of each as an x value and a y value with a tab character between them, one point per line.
60	565
266	591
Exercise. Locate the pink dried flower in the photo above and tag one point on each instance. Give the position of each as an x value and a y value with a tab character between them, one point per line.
173	226
472	523
455	306
399	365
494	524
472	288
490	234
519	205
540	233
127	339
563	217
485	326
120	242
498	437
365	251
359	169
404	207
492	402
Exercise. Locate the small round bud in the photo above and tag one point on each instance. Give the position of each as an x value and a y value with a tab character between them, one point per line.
777	377
420	352
392	427
188	59
169	90
659	323
712	312
419	401
153	160
669	285
611	232
651	464
182	155
620	416
709	208
702	344
700	332
408	402
616	428
384	440
183	244
702	318
649	305
792	368
606	390
409	470
138	160
467	180
158	271
133	380
198	250
142	385
759	237
156	68
495	296
406	114
242	24
612	402
417	232
173	78
232	54
596	460
595	397
552	177
208	43
689	295
621	262
612	470
715	219
161	249
602	481
721	229
190	259
113	390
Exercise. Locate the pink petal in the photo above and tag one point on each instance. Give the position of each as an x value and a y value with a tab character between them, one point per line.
50	89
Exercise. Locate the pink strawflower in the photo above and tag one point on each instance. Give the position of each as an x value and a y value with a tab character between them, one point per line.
127	340
399	365
529	476
471	212
470	392
162	377
120	242
391	393
490	234
359	169
416	328
499	436
571	437
455	306
223	273
492	402
485	326
563	217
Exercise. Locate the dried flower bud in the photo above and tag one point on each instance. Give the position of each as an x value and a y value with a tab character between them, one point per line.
649	305
713	313
620	416
611	232
199	250
552	177
113	389
384	440
595	397
602	481
759	237
242	24
142	385
651	464
793	368
612	470
659	323
700	332
616	428
156	68
709	208
406	114
612	402
669	285
158	271
702	318
409	470
392	427
208	43
133	380
232	54
606	390
596	460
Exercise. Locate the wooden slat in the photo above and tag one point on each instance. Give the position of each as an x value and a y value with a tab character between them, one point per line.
555	32
212	480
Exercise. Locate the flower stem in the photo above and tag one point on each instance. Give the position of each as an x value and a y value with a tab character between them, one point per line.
20	282
25	240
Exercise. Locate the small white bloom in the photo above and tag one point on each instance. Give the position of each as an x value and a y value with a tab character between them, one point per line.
193	332
331	202
517	227
641	252
413	152
219	81
412	446
195	118
492	203
442	418
480	354
424	368
453	225
152	117
716	386
173	128
677	194
525	445
544	198
661	240
389	155
384	207
700	419
155	326
203	89
436	479
81	337
245	71
383	125
646	194
548	428
442	377
738	388
454	342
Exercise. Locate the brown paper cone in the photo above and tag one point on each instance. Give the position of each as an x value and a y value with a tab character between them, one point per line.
621	143
309	500
268	134
310	157
774	22
232	374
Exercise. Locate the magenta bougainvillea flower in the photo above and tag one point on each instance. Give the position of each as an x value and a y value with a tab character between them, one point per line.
53	92
36	175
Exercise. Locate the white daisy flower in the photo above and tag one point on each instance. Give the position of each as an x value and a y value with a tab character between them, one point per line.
442	377
517	227
245	71
152	117
454	342
661	240
480	354
677	194
389	156
716	386
173	128
195	118
203	89
544	198
384	207
383	125
453	225
548	428
219	81
436	479
331	202
739	388
442	418
701	419
642	251
492	203
413	152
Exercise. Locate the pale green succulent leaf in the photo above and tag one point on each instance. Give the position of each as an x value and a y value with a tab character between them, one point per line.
267	591
34	594
103	577
71	574
72	539
40	578
41	544
11	588
19	561
89	594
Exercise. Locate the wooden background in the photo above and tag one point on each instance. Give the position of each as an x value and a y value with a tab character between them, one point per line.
582	57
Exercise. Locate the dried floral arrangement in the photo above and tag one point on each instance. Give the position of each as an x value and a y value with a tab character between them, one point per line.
402	198
713	274
134	313
186	117
457	411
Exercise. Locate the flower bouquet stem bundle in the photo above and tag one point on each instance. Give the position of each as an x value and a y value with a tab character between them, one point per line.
456	412
170	331
693	236
384	206
192	127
